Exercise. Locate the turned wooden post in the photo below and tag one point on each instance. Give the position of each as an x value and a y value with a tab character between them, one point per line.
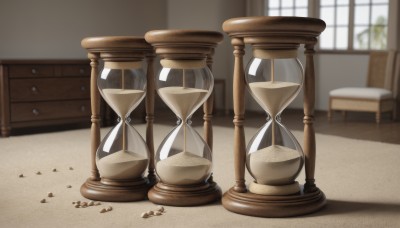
95	118
150	96
309	133
208	109
239	146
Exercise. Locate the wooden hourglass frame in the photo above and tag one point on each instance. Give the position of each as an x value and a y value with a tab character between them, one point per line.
278	33
189	45
118	48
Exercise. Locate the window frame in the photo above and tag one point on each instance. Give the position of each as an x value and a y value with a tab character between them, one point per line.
314	11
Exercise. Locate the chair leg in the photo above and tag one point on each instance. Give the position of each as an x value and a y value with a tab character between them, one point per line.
329	115
344	114
378	117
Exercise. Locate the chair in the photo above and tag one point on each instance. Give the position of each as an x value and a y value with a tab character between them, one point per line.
379	96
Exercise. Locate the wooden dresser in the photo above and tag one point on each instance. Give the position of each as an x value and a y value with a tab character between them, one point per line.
38	93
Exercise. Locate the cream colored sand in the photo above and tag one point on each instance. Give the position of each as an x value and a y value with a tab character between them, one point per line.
122	100
275	165
182	100
273	95
122	165
183	169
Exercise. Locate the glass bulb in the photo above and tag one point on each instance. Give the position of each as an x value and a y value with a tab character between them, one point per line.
122	154
274	157
184	158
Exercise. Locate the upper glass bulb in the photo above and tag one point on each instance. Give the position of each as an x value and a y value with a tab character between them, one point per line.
184	85
274	79
123	86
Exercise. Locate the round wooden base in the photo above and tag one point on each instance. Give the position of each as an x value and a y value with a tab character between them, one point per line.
190	195
273	206
116	191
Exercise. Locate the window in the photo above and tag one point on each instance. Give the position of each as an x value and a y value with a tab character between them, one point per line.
350	24
287	8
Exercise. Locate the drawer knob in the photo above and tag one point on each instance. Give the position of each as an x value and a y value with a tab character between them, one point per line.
34	71
81	71
34	89
83	88
35	112
83	108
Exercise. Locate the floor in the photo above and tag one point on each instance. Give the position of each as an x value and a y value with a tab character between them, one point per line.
355	126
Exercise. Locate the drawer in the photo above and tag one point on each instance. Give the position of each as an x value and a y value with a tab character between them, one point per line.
22	71
75	70
42	89
49	110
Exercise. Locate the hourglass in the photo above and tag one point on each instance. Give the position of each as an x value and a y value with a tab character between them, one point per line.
121	158
273	156
184	159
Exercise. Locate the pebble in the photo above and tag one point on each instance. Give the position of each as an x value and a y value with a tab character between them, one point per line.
78	202
97	203
70	168
69	186
160	208
77	206
91	203
84	204
21	175
103	210
43	201
144	215
109	208
150	212
50	194
54	170
157	213
38	173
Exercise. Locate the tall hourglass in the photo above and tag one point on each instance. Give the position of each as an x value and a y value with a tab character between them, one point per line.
120	159
274	77
274	157
184	159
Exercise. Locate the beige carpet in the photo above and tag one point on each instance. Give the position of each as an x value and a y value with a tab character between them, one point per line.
361	179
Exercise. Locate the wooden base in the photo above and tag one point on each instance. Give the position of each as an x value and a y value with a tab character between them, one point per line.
190	195
273	206
116	191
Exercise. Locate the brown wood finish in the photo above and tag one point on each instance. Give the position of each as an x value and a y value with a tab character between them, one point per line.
193	45
116	48
43	93
150	99
278	33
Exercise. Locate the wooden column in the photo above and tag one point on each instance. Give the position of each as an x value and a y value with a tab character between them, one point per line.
150	97
208	109
309	133
239	145
95	118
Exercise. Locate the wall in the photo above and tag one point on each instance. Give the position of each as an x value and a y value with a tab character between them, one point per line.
54	28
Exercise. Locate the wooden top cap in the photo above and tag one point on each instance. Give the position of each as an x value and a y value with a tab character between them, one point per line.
183	36
303	26
106	43
183	44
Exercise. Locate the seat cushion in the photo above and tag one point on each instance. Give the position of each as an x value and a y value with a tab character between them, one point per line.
364	93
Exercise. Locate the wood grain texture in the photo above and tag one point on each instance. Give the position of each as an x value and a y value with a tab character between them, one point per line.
115	49
34	91
273	33
187	45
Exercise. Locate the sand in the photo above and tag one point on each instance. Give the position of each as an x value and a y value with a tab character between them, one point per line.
122	100
181	100
122	165
183	169
273	95
275	165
